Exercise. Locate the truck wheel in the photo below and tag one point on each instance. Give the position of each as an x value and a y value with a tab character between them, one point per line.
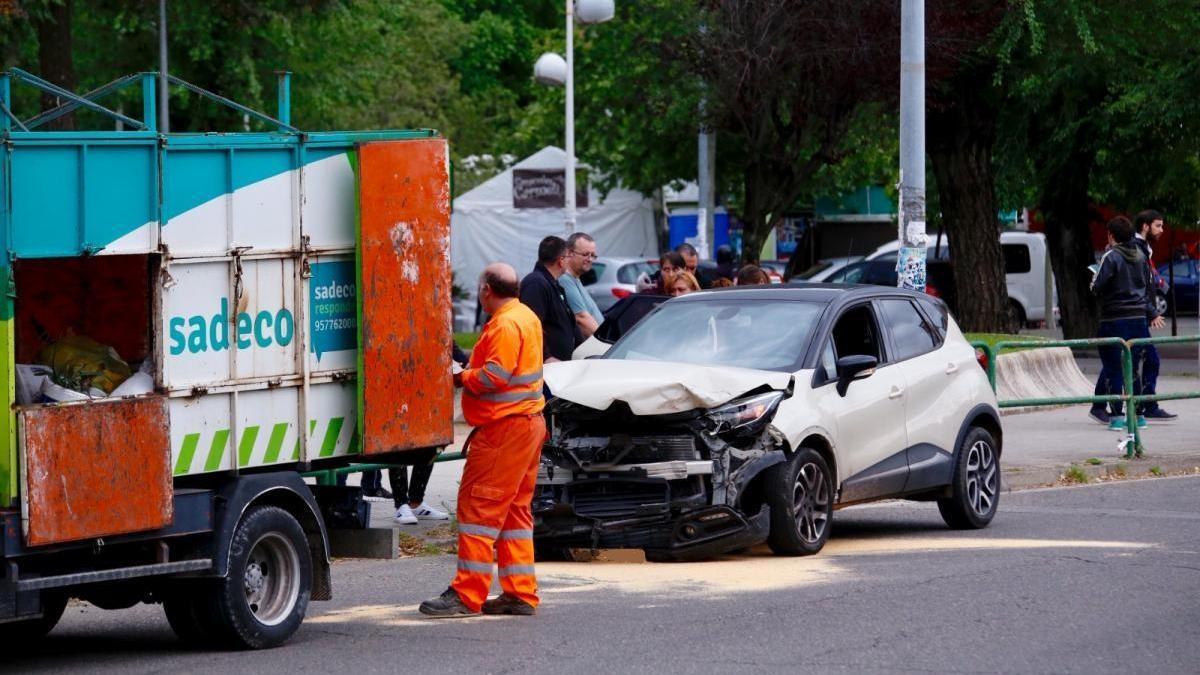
263	600
800	494
21	633
975	492
186	609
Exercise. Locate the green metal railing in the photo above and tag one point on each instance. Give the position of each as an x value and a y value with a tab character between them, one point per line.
329	476
1133	440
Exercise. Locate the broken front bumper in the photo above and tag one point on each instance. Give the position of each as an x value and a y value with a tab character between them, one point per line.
668	518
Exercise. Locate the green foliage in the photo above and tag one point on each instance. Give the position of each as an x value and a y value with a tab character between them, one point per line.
1075	476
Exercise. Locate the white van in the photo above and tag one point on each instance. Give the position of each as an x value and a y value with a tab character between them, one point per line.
1024	266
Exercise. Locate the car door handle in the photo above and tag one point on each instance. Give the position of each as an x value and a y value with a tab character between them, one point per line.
951	368
896	392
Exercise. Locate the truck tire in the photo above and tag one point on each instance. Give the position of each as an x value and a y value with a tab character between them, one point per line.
262	601
187	612
24	633
800	494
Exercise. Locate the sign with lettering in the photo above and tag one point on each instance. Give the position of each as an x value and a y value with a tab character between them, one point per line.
544	189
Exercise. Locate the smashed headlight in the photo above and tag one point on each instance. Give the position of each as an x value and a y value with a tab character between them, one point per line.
744	416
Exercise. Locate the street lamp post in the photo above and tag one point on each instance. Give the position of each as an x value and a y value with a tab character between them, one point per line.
552	69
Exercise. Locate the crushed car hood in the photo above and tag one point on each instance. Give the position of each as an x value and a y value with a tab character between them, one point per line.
654	387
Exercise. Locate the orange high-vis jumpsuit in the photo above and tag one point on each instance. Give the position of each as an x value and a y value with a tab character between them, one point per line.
502	399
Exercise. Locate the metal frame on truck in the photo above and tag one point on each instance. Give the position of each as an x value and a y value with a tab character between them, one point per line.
287	292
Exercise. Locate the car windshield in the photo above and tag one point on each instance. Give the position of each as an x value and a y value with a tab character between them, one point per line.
761	334
816	269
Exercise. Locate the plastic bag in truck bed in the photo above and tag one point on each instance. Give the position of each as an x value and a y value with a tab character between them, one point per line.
81	363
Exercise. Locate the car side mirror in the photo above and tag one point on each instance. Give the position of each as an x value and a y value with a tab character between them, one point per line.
855	367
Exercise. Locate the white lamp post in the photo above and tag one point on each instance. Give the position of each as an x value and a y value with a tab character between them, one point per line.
552	69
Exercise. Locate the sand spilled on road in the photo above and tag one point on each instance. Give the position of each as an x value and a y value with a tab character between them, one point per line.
754	571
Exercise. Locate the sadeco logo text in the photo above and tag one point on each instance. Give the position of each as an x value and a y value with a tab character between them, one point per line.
204	334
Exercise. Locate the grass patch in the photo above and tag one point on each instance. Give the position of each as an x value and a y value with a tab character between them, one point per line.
466	341
1156	471
1075	476
1095	461
992	338
416	546
1118	471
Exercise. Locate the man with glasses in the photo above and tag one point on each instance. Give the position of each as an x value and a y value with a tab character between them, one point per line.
581	251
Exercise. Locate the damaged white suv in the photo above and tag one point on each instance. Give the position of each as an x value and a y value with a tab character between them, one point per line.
729	418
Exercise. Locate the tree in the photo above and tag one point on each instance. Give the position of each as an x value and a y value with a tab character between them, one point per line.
786	100
1102	109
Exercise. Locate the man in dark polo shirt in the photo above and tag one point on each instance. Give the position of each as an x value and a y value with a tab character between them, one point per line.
541	292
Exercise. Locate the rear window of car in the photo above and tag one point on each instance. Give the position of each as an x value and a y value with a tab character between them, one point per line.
1016	259
911	334
629	272
814	270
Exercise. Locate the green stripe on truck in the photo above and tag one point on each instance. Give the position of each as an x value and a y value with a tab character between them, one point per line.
186	452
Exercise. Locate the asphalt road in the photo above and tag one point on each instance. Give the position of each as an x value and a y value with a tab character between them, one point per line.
1102	578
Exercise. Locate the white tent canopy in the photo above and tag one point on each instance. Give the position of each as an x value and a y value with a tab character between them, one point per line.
486	228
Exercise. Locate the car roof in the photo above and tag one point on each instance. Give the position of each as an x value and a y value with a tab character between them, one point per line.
806	292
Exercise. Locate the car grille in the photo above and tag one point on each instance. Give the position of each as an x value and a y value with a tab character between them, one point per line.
661	449
618	499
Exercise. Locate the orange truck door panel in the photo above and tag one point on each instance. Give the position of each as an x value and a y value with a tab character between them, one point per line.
95	469
404	381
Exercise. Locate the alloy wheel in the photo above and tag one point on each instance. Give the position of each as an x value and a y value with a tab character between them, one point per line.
982	478
810	497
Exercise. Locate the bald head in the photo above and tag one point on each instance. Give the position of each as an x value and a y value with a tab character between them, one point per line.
501	278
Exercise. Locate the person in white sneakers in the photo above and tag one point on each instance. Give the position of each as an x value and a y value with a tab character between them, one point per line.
409	495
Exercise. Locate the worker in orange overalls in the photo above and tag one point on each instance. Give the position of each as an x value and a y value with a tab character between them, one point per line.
502	399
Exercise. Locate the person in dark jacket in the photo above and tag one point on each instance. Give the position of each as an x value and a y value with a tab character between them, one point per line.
541	292
1148	227
1123	286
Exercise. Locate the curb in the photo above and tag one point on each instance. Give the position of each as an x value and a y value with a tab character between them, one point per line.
1112	468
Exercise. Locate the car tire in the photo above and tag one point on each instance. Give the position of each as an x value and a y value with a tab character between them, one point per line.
800	494
264	598
1016	317
975	492
24	633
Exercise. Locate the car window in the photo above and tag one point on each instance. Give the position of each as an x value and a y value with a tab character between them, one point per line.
814	270
881	273
1016	259
857	333
762	334
938	313
593	275
850	274
911	333
629	273
829	361
1183	268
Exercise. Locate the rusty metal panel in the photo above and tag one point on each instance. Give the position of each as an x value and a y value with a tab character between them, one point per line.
95	469
405	386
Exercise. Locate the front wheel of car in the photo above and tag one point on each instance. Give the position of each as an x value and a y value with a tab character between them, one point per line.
800	494
975	492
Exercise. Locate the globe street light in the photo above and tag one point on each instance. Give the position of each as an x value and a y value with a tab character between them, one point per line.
551	69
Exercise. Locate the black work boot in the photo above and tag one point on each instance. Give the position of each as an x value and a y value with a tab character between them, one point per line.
446	605
508	604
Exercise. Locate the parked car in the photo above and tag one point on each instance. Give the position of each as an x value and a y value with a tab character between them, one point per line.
774	269
823	269
618	320
611	279
1187	283
1024	270
939	281
741	415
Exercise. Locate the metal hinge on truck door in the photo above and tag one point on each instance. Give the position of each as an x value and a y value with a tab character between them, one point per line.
164	273
305	251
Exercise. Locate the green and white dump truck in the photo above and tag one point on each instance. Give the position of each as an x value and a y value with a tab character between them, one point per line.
270	304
